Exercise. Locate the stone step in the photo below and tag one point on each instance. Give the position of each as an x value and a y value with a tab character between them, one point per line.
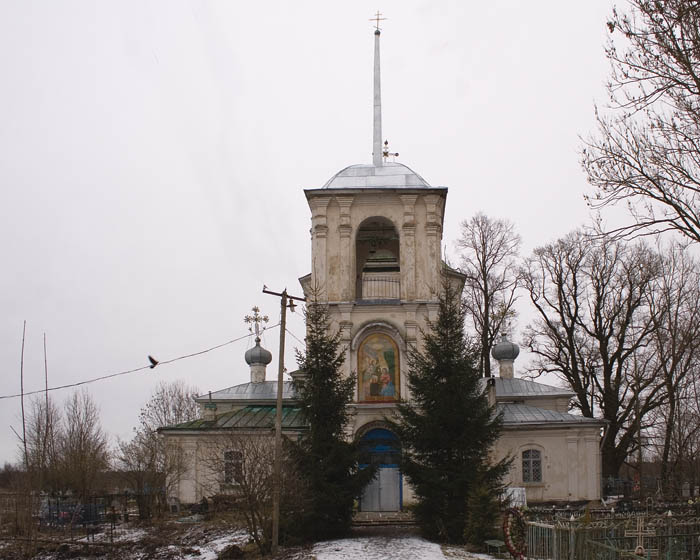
378	518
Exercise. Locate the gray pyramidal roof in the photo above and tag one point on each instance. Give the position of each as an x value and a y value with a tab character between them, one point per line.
525	387
251	392
267	390
247	418
521	414
389	175
264	394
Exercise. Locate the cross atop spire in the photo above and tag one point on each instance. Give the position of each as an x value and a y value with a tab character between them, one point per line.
376	19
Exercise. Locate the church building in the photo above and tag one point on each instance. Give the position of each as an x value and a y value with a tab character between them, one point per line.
376	262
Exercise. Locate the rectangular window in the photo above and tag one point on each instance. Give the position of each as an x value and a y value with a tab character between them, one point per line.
233	465
532	466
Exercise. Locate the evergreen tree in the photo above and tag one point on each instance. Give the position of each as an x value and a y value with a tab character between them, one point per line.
327	462
447	429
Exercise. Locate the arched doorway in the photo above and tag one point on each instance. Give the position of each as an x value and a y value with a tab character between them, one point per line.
381	447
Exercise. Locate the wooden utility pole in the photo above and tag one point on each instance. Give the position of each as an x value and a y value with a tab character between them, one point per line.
285	301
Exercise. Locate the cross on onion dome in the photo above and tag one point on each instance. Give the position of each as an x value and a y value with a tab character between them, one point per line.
255	320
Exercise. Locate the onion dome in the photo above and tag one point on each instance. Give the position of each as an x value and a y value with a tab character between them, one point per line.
257	355
505	349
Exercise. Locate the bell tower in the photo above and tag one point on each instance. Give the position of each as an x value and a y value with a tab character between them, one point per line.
376	261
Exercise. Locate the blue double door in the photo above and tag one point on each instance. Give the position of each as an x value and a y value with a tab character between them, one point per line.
382	448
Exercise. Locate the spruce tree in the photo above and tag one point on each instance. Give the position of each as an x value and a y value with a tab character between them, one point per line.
447	428
326	461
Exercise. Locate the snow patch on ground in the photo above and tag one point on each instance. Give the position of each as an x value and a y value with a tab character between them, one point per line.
210	550
460	553
383	548
378	548
120	534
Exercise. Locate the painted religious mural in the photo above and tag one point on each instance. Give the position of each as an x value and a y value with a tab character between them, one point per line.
378	366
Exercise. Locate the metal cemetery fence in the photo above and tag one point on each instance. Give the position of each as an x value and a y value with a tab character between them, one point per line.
66	517
660	536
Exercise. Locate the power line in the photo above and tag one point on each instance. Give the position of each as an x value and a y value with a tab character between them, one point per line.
119	373
295	336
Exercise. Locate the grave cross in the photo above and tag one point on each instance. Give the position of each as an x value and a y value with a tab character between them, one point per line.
640	533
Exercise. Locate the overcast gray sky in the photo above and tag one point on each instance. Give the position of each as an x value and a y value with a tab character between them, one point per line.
153	156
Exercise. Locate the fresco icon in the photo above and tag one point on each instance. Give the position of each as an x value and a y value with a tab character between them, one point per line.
378	365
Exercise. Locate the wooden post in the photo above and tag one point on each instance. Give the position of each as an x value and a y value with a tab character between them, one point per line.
277	475
286	301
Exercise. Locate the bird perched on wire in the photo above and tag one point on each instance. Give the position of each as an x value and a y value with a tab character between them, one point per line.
153	361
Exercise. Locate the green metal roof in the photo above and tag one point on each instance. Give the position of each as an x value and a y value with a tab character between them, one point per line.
247	418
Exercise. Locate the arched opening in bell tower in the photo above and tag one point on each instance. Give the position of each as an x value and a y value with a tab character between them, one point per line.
377	261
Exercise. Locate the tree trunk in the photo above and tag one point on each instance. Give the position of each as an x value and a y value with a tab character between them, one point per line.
667	437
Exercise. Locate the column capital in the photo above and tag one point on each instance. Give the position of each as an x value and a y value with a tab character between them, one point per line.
345	202
409	208
434	204
318	204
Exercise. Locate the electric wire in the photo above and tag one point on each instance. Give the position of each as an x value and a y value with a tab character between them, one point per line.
294	336
142	368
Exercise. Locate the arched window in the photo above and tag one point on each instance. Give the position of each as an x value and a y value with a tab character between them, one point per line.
378	367
377	260
532	465
233	467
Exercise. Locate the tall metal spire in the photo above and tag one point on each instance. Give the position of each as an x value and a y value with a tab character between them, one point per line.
377	153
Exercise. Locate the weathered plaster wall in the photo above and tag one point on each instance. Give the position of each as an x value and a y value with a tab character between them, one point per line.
571	463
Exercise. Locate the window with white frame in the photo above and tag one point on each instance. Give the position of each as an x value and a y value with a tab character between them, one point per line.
233	463
532	465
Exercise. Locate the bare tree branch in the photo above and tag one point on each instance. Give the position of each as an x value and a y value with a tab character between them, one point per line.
646	151
489	249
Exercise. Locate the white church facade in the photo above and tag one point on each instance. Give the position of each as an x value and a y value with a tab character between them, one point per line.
376	262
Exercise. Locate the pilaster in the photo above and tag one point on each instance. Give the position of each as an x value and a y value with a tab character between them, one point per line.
345	327
408	247
593	482
319	234
574	463
433	230
410	323
347	274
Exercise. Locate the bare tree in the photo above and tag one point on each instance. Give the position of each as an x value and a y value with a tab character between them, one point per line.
592	331
646	151
149	467
171	403
680	440
240	467
147	464
676	339
44	435
83	445
489	249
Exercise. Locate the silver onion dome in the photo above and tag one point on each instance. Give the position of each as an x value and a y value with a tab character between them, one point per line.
505	349
257	354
